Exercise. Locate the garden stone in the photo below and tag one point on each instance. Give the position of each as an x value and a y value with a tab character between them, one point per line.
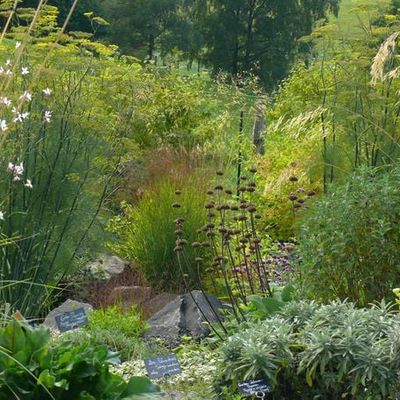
68	306
127	296
107	267
184	317
158	302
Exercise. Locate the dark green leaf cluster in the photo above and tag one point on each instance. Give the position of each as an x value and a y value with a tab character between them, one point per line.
32	370
326	352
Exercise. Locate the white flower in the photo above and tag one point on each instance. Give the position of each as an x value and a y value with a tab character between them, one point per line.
24	71
8	62
47	116
3	125
17	170
28	184
14	110
1	70
20	117
6	101
47	91
8	72
18	45
1	216
26	96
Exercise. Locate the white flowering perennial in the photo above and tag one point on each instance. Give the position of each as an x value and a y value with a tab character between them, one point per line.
47	117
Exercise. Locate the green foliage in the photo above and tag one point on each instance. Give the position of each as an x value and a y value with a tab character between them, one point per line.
145	233
30	369
309	351
349	242
129	322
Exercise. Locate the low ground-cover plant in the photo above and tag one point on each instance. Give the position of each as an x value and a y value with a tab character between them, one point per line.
308	351
119	330
32	370
349	242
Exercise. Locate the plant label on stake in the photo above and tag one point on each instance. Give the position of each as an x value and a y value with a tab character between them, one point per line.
258	388
163	366
71	320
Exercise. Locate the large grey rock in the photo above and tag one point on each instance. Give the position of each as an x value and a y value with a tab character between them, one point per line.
185	316
106	267
68	306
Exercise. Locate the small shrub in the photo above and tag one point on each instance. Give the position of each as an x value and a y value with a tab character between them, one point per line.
145	233
308	352
32	370
349	242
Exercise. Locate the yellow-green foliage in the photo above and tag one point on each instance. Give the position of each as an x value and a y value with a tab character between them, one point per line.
328	117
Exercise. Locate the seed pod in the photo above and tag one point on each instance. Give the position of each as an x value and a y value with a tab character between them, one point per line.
292	197
301	201
209	206
247	235
222	229
242	218
244	240
176	205
210	214
177	192
257	216
228	191
181	242
210	234
220	173
225	207
297	206
198	259
178	249
253	170
234	208
252	184
210	192
218	187
243	178
251	208
210	225
178	232
205	244
243	206
293	178
196	244
311	193
179	220
242	189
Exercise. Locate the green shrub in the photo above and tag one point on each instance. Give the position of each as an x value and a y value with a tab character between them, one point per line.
32	370
146	232
349	242
310	352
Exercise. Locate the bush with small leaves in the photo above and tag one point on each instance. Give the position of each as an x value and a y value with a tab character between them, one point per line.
309	351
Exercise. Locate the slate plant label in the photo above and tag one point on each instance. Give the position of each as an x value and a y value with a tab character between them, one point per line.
162	366
71	320
250	388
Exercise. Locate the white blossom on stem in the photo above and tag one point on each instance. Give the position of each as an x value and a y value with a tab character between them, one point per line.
28	184
26	96
18	45
6	101
3	125
24	71
47	117
1	216
47	92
